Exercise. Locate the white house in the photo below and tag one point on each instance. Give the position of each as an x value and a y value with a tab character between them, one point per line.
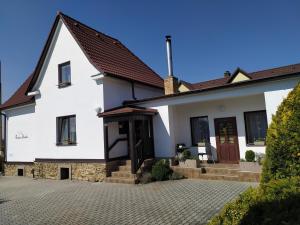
90	102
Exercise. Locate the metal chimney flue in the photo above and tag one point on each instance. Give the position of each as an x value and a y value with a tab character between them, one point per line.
169	55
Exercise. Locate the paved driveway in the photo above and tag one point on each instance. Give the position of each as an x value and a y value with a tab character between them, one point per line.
25	201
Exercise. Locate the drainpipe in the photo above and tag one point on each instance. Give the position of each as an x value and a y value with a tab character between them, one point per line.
3	141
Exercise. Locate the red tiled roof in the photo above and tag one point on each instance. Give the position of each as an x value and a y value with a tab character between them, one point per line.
19	97
284	70
127	110
109	55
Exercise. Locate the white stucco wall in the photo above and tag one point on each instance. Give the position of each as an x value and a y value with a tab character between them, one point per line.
116	91
267	95
81	98
22	134
121	148
234	107
274	96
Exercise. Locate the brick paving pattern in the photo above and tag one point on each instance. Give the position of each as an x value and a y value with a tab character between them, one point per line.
25	201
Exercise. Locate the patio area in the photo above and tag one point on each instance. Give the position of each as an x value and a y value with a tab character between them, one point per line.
27	201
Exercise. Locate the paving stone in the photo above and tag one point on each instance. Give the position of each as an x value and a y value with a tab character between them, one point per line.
26	201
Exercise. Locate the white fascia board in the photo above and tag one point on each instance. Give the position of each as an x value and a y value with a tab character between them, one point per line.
98	76
33	93
18	107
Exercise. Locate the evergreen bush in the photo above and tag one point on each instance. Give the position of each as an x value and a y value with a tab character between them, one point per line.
277	202
283	140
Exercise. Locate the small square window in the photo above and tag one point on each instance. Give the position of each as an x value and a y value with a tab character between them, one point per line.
64	74
66	130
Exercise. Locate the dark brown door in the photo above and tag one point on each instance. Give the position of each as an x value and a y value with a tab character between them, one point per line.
227	140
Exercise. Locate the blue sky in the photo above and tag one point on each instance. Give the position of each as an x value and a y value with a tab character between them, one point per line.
209	37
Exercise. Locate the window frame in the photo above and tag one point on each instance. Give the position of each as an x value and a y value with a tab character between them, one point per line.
60	83
246	128
192	139
59	130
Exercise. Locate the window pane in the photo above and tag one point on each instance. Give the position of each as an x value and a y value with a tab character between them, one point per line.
200	130
64	131
73	129
65	73
256	127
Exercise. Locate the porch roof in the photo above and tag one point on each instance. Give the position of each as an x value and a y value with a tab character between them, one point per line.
127	110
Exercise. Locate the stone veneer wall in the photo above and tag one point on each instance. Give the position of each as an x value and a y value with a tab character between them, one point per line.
51	170
79	171
11	169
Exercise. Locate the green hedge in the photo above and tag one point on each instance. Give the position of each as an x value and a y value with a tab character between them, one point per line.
283	140
276	202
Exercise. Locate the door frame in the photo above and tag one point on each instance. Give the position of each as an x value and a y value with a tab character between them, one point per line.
236	140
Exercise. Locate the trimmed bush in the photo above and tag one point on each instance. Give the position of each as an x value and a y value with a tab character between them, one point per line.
283	140
250	156
161	170
277	202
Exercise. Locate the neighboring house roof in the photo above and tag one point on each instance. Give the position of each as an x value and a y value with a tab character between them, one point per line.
284	70
19	97
107	54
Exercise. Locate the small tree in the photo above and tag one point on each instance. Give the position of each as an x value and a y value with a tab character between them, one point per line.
283	140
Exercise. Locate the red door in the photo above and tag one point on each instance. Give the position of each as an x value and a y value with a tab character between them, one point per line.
227	140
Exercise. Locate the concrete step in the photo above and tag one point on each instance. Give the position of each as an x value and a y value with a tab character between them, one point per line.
221	165
123	174
249	176
120	180
218	177
217	170
124	168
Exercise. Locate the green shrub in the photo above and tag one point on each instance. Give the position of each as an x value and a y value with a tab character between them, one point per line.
161	170
283	140
277	202
250	156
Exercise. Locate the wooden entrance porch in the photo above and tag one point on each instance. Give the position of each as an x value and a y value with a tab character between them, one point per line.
136	127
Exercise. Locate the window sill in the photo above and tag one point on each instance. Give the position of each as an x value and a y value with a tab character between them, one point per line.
64	85
69	144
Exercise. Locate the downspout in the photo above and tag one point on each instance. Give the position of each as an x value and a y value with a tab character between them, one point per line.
133	91
3	141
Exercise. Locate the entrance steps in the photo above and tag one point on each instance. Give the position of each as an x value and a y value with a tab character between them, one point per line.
230	172
122	174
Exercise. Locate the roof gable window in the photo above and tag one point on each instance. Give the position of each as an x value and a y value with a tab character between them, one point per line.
64	74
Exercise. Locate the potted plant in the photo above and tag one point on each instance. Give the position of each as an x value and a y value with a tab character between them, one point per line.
187	160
